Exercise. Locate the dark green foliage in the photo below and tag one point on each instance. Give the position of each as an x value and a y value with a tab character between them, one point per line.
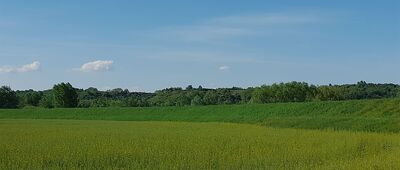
29	98
190	87
363	90
197	100
92	97
210	98
8	98
330	93
228	96
300	92
65	95
47	100
275	93
245	95
199	96
171	97
135	101
284	92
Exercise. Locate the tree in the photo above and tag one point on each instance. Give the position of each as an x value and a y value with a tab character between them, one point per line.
8	98
65	95
47	101
261	95
30	98
197	100
330	93
210	98
398	92
284	92
190	87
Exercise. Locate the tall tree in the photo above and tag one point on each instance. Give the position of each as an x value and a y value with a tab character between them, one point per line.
8	98
65	95
47	100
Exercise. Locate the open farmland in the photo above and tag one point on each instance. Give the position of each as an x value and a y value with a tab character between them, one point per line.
358	115
316	135
83	144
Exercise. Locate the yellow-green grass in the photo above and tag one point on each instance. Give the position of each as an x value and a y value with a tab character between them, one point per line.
359	115
83	144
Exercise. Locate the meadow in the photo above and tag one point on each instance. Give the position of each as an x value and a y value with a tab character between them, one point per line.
360	134
358	115
83	144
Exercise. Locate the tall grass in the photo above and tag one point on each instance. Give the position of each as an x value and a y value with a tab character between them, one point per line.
74	144
362	115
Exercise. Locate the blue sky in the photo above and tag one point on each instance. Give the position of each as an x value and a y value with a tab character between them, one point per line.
145	45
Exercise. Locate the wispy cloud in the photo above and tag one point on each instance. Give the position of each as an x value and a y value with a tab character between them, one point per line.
228	39
226	27
95	66
207	33
198	56
223	68
264	19
35	66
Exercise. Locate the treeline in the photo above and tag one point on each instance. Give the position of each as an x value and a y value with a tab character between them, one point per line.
65	95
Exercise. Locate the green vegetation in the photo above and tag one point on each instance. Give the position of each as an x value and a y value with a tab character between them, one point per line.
68	144
280	126
381	115
64	95
8	98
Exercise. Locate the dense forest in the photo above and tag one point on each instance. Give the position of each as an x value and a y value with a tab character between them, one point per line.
65	95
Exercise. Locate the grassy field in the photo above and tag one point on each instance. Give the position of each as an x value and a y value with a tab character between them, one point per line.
317	135
83	144
363	115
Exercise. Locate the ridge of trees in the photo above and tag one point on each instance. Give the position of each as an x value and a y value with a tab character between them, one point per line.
65	95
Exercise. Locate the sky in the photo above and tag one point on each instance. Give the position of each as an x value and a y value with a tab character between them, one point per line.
144	45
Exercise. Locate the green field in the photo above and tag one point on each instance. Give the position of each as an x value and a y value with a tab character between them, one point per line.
361	115
317	135
44	144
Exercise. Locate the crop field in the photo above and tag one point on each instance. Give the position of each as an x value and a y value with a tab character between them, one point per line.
82	144
358	115
317	135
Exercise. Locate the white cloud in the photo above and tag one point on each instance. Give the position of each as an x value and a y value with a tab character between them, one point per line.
29	67
5	69
223	68
35	66
94	66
